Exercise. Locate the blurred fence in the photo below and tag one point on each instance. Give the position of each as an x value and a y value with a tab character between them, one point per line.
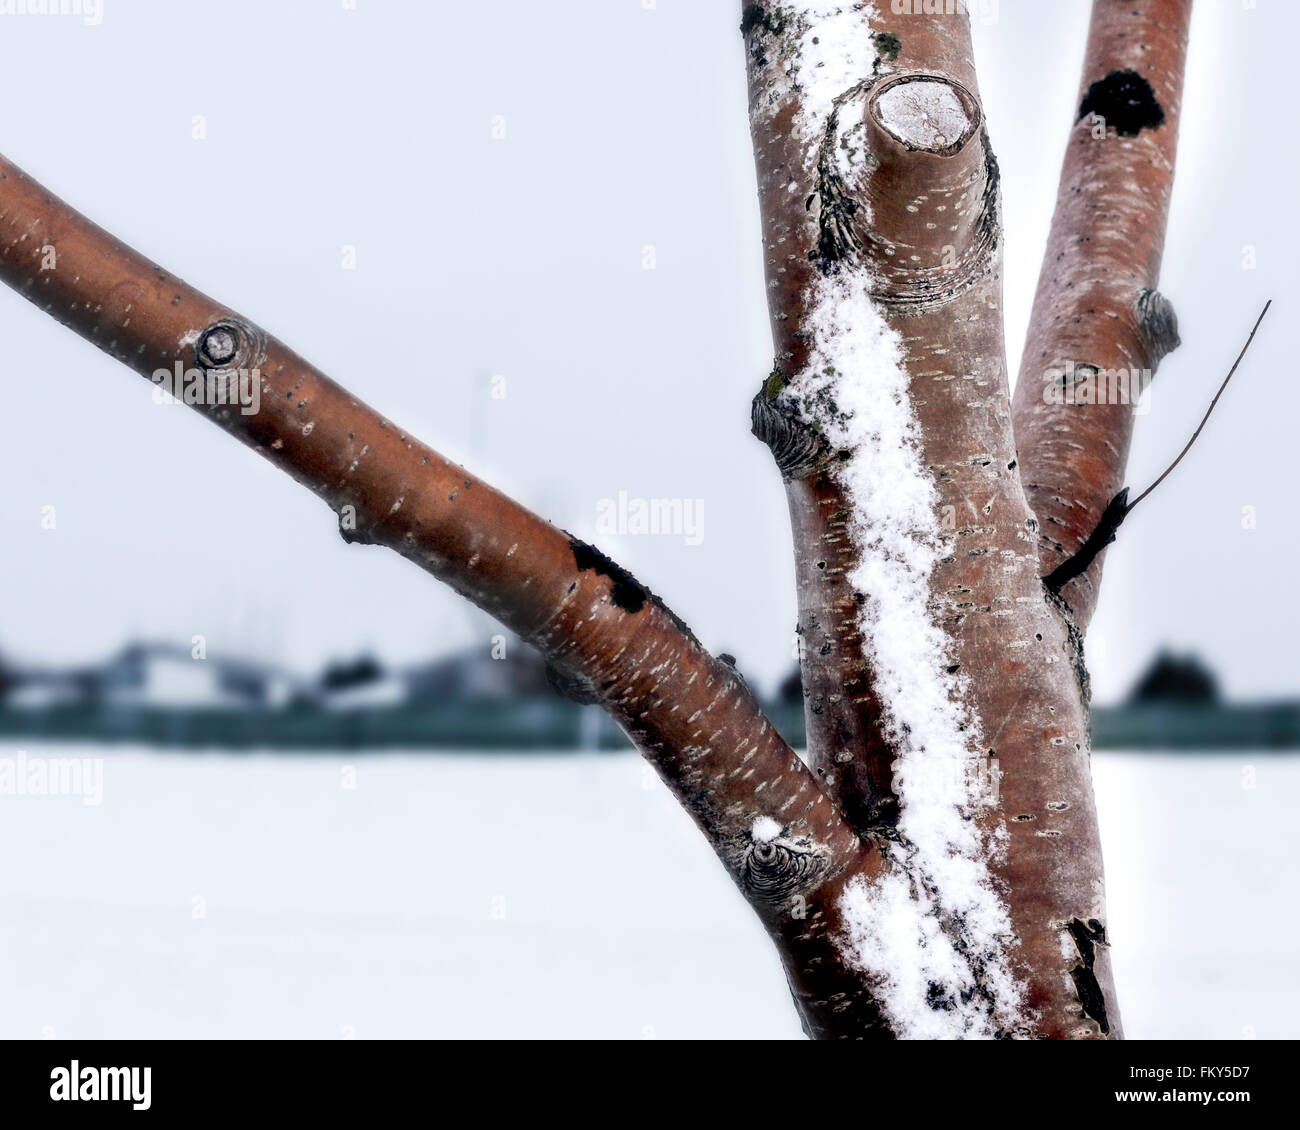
537	723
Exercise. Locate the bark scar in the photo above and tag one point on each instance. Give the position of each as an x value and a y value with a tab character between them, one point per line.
1087	937
1125	100
799	450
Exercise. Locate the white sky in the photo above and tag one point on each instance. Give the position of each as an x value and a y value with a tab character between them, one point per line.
625	128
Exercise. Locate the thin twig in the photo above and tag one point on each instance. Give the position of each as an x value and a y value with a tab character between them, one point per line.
1120	508
1210	409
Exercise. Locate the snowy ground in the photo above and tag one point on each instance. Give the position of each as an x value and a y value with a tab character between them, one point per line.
545	896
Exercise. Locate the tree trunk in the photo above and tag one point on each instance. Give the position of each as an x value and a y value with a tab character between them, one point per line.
947	698
935	870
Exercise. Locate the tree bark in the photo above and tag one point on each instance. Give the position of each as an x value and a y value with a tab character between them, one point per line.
614	642
931	649
937	870
1097	318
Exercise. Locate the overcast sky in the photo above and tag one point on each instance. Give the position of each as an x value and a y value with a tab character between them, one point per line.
518	262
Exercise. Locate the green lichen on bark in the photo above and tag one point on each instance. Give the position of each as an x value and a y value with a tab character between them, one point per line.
888	45
772	32
774	21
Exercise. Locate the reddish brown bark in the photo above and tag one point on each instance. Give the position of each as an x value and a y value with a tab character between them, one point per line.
845	745
877	185
925	225
690	714
1096	308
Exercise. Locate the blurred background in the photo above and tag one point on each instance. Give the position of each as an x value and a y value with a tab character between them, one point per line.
317	794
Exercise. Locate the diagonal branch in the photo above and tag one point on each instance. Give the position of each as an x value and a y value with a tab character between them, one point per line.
689	713
1099	328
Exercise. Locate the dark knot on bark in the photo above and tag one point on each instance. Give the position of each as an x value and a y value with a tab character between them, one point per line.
230	344
1124	101
1158	324
776	870
798	449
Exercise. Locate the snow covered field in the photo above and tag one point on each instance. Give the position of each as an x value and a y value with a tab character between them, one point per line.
567	895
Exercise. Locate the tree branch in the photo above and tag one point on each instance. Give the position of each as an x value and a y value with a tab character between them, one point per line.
1119	507
689	713
1099	328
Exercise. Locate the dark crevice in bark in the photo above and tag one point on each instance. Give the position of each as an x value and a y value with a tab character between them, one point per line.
1075	655
625	591
1087	937
839	236
1125	100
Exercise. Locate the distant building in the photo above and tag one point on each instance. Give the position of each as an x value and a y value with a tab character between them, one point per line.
341	675
153	675
474	675
162	675
166	676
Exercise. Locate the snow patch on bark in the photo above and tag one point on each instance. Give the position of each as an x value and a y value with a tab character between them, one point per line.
835	52
933	932
813	52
